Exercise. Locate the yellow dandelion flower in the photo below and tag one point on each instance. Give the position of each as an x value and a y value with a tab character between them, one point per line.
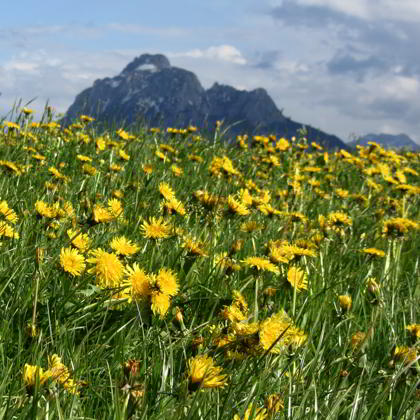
59	371
8	213
122	134
339	219
374	252
251	226
414	329
274	403
240	301
58	174
86	118
89	169
115	167
33	374
167	282
176	170
40	158
296	216
261	263
203	373
155	228
408	189
195	158
297	278
237	207
245	197
168	148
160	303
227	166
278	255
278	332
269	210
100	144
101	214
162	156
138	281
8	231
207	199
71	261
115	207
43	209
406	354
175	205
81	241
84	158
166	190
194	247
122	245
27	111
223	261
255	413
399	226
12	166
108	269
282	144
123	155
232	313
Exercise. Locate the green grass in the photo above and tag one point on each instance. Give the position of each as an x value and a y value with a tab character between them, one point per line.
95	334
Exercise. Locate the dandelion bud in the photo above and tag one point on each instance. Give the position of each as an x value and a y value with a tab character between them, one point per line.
237	246
372	286
179	318
39	252
198	342
31	330
345	302
178	315
270	291
131	368
357	339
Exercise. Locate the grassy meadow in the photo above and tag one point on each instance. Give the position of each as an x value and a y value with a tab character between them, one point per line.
162	274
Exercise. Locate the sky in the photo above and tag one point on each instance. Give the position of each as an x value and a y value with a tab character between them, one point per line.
346	67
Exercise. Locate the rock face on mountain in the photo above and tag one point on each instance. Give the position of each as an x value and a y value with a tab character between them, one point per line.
388	141
150	90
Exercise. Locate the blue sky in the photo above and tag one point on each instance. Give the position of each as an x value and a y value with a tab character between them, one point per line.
348	68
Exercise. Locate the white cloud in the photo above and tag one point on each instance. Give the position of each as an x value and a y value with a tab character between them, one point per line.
54	76
402	88
222	52
408	10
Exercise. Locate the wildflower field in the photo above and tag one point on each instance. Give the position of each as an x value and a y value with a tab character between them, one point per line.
163	274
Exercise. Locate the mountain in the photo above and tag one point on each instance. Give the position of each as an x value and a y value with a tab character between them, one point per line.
150	90
388	141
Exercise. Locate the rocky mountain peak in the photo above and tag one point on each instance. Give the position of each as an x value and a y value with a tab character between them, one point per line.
147	62
149	90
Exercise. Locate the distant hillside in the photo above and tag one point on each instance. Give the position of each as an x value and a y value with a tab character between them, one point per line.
150	90
389	141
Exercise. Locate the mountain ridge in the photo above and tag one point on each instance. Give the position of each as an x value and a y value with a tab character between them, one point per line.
395	141
149	89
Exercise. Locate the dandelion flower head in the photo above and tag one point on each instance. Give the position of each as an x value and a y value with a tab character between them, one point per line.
72	261
108	269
